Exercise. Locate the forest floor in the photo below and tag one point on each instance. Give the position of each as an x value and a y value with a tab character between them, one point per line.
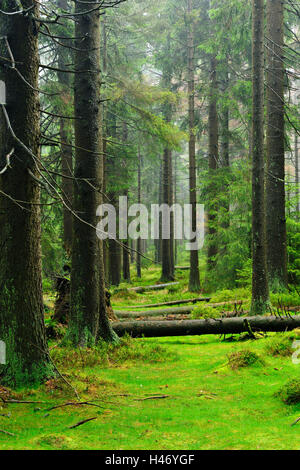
160	393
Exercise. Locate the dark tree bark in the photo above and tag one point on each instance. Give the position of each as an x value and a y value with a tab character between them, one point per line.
260	291
88	316
275	187
21	301
149	329
104	142
167	252
132	252
65	131
213	130
194	279
114	252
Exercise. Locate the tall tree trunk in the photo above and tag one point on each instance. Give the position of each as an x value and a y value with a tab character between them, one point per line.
225	161
166	245
213	130
114	248
139	241
160	200
88	317
260	291
297	176
104	141
175	202
171	201
194	279
65	138
275	187
167	271
21	301
125	248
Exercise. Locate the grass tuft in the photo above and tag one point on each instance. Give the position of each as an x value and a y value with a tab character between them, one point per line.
290	392
279	345
244	358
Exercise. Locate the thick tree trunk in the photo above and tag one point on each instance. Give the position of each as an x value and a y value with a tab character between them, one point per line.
88	317
65	132
220	326
260	291
21	301
213	130
275	187
194	279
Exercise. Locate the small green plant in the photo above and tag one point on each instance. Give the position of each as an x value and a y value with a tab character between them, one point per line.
244	358
290	392
279	345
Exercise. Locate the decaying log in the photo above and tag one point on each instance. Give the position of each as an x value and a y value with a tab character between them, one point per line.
141	289
172	302
206	327
154	313
169	311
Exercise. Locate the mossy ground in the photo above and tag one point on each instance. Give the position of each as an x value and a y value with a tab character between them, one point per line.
207	405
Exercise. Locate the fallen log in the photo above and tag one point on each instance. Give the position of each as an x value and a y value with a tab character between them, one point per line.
155	287
183	268
169	311
206	327
172	302
154	313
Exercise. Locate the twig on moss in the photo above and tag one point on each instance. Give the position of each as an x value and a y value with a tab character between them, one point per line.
80	423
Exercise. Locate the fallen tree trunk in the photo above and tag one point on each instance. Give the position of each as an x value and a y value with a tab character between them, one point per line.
173	302
168	311
206	327
183	268
154	313
155	287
